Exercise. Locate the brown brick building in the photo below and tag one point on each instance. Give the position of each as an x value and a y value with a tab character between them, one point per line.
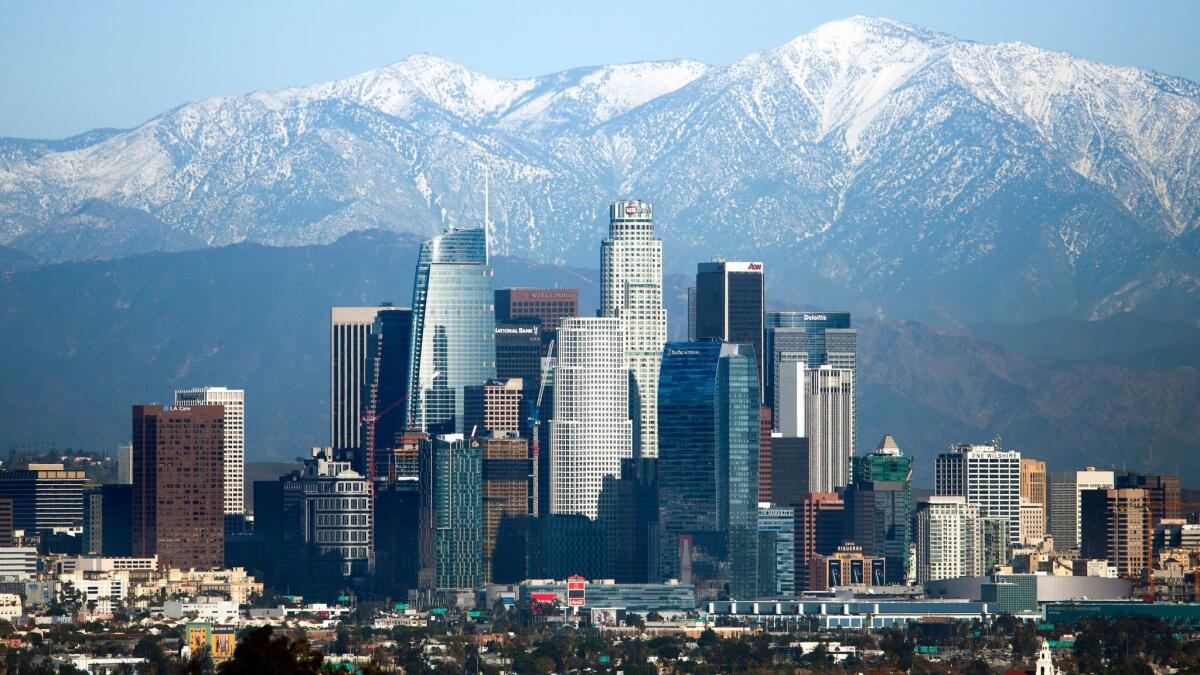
506	489
178	485
548	305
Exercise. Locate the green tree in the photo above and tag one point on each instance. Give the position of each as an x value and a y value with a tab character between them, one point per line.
262	652
897	648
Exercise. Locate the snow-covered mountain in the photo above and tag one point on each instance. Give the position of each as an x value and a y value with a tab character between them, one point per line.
868	162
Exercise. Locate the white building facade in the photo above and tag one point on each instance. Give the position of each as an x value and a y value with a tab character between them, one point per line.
948	539
234	401
987	477
591	431
631	291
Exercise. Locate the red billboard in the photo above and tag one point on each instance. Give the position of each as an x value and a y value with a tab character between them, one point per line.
575	592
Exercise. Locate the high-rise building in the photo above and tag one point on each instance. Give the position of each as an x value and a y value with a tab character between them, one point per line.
631	291
179	485
949	542
44	497
452	489
1089	479
1062	503
519	353
493	407
1117	526
987	477
708	465
548	306
730	299
125	464
994	544
631	533
337	524
818	404
117	516
6	523
590	432
814	338
506	487
776	551
349	334
1163	493
879	506
691	316
401	460
764	455
389	357
1033	523
1033	481
820	528
397	536
790	465
92	539
454	342
234	401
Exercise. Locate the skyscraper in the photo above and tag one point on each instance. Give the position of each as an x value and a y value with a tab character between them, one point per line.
44	496
453	342
815	338
389	357
1061	508
879	503
987	477
949	543
631	291
493	407
708	465
1163	494
234	401
452	487
179	484
1033	481
776	551
349	331
818	404
506	473
820	528
590	432
730	300
519	353
125	464
547	306
337	524
1117	526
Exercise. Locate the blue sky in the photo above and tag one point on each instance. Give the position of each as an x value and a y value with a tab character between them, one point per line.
70	66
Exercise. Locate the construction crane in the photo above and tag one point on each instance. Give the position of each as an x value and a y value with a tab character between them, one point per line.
369	418
535	422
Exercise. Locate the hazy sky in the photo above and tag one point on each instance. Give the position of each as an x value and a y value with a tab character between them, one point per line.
66	67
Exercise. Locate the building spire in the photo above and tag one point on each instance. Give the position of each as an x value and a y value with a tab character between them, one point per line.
487	225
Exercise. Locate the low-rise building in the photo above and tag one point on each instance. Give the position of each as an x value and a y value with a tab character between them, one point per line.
212	610
669	596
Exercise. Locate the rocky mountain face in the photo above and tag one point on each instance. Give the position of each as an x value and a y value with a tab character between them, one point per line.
86	340
874	165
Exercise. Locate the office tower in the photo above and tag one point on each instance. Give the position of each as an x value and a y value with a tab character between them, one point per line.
234	401
818	404
879	506
519	353
949	544
631	291
125	464
764	455
631	533
1033	481
776	551
401	460
349	335
1089	479
820	527
397	535
337	523
547	306
385	387
1061	506
452	490
541	410
44	497
1033	523
92	537
590	432
994	543
179	485
1163	493
506	477
847	567
493	407
730	304
117	520
454	342
789	470
814	338
691	316
708	464
6	523
987	477
1117	526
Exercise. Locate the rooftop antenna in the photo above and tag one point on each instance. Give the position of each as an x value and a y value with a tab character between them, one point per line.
487	225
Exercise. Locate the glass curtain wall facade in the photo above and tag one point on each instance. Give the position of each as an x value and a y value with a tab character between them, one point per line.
453	333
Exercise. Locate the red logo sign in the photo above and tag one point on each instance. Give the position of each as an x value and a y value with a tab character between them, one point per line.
756	266
630	209
575	592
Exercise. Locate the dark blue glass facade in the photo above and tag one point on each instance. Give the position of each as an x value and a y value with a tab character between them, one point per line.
708	466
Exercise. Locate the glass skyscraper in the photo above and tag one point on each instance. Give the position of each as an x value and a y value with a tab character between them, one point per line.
817	338
708	466
453	343
879	503
452	483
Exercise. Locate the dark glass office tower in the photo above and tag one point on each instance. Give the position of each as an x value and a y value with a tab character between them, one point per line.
708	467
547	307
452	491
878	505
729	304
519	353
389	357
453	343
818	338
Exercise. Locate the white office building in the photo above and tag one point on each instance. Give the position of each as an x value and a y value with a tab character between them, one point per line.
234	401
591	431
949	543
125	464
631	291
987	477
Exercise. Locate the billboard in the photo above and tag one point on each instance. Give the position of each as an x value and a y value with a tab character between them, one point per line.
575	591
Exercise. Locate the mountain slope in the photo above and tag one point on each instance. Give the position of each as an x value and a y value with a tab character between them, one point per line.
878	165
